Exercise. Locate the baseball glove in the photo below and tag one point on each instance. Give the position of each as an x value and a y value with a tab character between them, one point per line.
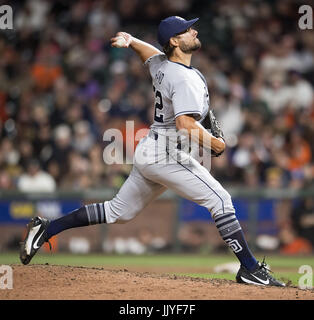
210	122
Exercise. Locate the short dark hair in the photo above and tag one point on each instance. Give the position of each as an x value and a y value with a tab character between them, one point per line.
168	49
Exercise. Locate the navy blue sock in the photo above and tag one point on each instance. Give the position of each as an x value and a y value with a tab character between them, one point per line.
84	216
231	232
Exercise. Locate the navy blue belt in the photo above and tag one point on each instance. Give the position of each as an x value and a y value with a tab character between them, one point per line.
154	135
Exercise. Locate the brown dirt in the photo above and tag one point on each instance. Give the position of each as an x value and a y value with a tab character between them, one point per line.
52	282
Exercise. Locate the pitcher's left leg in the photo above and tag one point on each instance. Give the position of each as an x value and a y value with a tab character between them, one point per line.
225	219
192	181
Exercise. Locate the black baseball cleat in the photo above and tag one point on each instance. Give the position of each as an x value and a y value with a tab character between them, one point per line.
260	276
35	238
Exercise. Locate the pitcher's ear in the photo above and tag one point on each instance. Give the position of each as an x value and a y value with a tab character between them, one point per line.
173	41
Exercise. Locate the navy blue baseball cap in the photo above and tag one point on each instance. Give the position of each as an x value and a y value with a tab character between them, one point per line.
171	26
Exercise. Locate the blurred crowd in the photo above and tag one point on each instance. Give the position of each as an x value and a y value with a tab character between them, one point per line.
62	86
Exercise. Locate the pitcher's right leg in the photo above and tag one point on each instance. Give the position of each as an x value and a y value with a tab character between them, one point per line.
135	194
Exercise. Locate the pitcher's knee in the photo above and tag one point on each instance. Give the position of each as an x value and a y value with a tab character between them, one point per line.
221	204
117	212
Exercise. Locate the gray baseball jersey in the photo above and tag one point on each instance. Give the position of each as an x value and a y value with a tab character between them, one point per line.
178	89
159	163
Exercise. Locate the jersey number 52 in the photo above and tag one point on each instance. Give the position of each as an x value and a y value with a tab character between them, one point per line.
159	117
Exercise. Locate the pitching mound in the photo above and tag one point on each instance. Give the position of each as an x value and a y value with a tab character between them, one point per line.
66	282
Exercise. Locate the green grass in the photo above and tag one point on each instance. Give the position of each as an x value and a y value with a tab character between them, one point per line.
121	260
284	276
285	267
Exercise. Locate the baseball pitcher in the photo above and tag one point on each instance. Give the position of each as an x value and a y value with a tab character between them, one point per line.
162	159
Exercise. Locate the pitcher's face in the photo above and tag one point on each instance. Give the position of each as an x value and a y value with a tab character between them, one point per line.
188	41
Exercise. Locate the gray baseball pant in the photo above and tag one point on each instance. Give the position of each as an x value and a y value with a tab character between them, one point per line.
150	178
